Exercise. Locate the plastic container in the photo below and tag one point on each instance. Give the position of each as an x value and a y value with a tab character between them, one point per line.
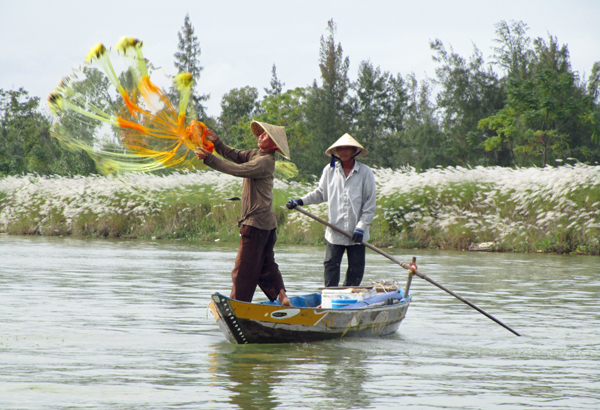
328	295
340	303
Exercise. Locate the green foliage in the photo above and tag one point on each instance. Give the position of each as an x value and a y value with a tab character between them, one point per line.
469	92
547	114
538	111
238	108
379	111
25	142
328	108
287	109
276	84
187	60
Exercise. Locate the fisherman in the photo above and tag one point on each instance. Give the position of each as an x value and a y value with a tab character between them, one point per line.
255	262
349	190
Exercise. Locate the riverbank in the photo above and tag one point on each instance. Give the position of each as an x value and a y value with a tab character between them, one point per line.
554	210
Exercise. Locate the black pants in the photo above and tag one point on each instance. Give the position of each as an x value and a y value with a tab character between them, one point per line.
333	261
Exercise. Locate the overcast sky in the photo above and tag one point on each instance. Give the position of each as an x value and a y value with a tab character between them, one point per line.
41	41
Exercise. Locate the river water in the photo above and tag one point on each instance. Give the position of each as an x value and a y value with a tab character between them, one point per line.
101	324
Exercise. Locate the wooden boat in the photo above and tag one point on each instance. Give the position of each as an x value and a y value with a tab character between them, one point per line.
306	321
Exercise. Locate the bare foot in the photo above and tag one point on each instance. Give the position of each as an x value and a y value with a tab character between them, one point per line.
283	299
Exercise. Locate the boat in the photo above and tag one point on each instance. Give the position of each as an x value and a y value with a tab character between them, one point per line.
310	319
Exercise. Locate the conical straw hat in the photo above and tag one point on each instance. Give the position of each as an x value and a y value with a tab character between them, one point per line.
346	140
276	133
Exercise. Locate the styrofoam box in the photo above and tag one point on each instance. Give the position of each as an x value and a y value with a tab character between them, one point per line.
327	295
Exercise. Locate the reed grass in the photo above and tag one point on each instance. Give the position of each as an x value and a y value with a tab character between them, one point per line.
552	209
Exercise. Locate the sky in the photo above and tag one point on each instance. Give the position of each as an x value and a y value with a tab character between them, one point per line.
42	41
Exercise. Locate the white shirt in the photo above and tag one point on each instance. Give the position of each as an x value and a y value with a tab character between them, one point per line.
351	200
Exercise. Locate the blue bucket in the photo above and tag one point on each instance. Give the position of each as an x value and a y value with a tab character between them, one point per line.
340	303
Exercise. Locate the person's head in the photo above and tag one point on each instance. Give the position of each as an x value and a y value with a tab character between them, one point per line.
270	138
265	143
346	152
345	148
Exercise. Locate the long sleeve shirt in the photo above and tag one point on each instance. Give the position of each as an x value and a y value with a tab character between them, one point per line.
257	168
351	200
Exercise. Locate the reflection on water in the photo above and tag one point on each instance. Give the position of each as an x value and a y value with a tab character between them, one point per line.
124	324
326	375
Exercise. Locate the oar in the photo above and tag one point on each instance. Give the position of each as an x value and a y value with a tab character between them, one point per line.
407	266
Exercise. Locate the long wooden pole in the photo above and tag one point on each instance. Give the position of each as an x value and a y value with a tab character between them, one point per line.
408	267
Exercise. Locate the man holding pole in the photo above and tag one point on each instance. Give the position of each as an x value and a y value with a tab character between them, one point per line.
255	262
349	190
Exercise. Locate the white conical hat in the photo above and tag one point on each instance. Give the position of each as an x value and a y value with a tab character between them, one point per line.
276	133
346	140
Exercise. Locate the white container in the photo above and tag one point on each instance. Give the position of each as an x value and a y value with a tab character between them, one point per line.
329	294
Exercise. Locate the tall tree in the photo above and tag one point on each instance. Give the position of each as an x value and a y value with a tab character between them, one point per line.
187	60
328	108
276	84
379	108
422	144
513	54
469	91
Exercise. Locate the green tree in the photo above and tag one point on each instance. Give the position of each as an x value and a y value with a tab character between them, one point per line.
469	91
514	53
287	109
238	107
23	134
25	141
276	86
422	144
187	60
328	111
548	113
379	108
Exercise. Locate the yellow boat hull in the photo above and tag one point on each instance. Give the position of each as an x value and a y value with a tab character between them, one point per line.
244	322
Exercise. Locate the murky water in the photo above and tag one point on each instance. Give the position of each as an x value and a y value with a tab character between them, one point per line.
124	325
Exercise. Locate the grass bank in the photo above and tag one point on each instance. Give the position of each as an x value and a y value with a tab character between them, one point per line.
523	210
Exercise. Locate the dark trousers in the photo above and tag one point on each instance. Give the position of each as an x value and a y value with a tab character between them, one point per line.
333	261
255	265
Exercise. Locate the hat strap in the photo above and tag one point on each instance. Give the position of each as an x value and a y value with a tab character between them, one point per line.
332	163
333	158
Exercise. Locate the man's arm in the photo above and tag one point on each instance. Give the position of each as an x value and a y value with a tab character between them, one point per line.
261	167
237	156
320	193
368	197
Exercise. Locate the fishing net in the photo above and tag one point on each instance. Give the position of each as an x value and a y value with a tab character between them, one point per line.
126	122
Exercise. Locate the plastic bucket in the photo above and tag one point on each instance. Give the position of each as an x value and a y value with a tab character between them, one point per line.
340	303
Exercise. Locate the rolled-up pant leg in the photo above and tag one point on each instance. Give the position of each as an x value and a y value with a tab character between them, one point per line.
356	265
255	265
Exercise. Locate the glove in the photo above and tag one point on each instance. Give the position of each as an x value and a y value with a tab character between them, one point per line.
293	203
358	235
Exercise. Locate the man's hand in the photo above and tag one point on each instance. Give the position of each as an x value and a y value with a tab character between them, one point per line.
202	153
293	203
358	236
